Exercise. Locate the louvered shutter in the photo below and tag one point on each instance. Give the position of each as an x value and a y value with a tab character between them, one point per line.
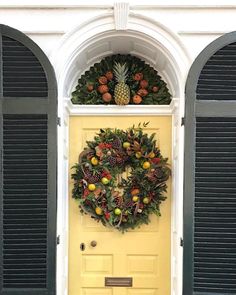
28	167
210	172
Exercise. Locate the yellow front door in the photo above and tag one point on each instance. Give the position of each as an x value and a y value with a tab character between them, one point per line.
142	254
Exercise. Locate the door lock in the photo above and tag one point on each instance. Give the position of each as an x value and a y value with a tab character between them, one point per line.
82	246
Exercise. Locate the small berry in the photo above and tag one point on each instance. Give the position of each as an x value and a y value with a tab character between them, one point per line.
155	88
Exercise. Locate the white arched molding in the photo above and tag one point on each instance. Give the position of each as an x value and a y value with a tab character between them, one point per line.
81	48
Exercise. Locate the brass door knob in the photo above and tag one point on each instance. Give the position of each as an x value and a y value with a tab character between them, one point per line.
93	243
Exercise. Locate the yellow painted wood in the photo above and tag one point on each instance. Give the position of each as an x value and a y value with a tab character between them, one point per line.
143	254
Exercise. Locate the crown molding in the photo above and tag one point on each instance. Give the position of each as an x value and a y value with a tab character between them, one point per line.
94	4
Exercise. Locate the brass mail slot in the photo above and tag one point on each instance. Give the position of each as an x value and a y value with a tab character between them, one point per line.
118	282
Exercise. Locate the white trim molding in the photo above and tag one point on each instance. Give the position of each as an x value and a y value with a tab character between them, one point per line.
114	110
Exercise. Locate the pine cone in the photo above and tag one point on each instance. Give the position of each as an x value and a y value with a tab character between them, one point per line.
94	178
125	158
119	201
111	160
158	173
87	173
119	161
129	204
116	144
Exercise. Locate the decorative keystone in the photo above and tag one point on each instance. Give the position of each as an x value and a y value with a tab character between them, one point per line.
121	13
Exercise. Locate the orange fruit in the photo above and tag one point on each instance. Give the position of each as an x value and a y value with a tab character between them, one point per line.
94	161
138	76
146	165
103	89
106	97
142	92
98	210
151	155
135	191
137	99
143	83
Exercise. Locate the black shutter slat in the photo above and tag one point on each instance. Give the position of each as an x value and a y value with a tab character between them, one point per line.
23	75
216	96
24	205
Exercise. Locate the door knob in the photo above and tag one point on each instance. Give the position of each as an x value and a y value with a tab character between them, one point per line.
93	243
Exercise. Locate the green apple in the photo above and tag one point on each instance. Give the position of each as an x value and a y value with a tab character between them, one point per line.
146	200
105	180
117	211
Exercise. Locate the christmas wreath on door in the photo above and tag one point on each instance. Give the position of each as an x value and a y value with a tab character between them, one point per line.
120	178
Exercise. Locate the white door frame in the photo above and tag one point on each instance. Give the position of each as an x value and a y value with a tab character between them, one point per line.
70	56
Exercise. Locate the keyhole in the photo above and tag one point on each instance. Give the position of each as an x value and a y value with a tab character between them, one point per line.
82	246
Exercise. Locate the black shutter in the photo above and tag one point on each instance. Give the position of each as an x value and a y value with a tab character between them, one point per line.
210	172
28	116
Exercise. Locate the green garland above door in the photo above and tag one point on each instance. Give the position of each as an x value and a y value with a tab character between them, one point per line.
121	79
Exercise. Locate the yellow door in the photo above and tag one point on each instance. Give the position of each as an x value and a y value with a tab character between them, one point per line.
143	254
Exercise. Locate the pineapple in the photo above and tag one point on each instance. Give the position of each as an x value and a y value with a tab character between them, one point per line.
122	91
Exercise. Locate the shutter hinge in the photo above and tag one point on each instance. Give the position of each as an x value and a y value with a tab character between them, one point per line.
58	121
182	121
58	239
181	242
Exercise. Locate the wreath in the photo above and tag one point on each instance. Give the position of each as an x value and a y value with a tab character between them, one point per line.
121	79
101	189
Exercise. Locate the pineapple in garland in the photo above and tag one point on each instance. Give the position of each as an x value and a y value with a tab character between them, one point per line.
122	90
